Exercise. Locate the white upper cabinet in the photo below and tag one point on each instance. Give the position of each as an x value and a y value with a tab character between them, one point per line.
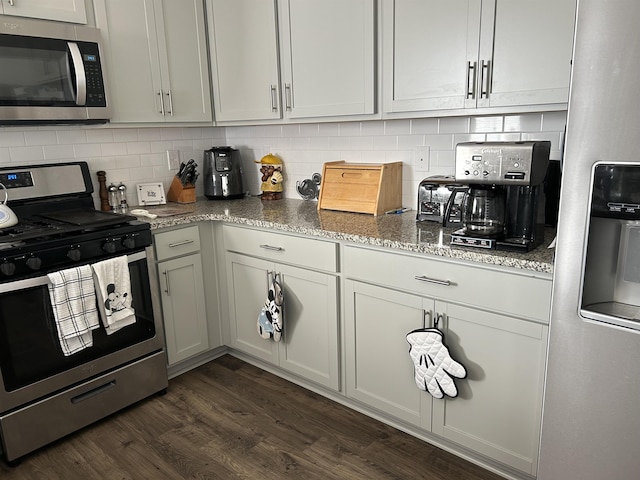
327	51
157	62
73	11
244	59
319	63
457	54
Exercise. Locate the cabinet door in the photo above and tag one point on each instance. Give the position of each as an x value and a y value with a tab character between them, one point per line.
529	46
498	410
430	50
379	370
247	285
62	10
183	307
129	38
243	46
327	51
309	346
184	63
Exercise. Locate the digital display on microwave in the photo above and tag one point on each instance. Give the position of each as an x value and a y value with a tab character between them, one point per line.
90	58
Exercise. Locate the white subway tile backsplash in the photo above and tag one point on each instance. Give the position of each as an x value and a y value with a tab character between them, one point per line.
137	155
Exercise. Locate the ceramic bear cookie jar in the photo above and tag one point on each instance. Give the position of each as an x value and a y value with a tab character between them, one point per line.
271	170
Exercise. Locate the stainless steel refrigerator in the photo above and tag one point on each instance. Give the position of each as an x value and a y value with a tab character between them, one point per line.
591	412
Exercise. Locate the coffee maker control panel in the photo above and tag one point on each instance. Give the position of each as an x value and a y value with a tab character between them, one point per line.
502	163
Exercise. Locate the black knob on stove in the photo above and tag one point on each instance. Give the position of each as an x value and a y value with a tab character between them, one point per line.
109	246
74	254
34	263
129	242
7	268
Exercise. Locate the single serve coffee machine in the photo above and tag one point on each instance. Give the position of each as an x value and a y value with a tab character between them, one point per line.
503	207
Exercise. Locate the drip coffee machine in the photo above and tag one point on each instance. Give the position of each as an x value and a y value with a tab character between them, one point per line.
503	207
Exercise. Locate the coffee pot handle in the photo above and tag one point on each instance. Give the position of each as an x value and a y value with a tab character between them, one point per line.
446	218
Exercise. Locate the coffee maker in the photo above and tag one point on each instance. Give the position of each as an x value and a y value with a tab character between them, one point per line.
504	206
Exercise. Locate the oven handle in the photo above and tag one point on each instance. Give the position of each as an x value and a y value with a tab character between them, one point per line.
44	280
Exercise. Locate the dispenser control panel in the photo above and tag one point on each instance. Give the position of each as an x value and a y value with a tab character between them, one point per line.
502	163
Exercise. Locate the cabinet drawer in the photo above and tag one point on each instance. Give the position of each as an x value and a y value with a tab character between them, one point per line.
176	242
521	294
279	247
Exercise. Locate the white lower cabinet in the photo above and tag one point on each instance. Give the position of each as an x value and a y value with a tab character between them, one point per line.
498	408
182	293
309	345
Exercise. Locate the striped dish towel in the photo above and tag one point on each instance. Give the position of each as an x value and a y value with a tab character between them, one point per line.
73	299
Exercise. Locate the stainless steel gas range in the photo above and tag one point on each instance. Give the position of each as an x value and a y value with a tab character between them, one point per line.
46	394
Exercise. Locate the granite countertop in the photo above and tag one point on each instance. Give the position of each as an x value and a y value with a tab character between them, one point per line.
400	231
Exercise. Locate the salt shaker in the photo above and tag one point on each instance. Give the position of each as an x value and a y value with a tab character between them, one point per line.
114	202
122	195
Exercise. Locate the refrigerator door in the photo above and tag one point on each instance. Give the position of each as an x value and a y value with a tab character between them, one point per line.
591	413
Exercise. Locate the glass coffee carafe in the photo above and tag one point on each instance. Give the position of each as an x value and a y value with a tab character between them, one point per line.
484	211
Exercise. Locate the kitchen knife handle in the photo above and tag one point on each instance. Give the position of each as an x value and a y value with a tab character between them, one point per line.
274	99
287	96
170	111
471	79
160	97
423	278
271	247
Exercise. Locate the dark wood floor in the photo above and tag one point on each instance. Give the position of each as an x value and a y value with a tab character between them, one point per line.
230	420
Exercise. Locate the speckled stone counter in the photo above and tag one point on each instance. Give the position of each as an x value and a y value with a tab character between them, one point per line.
400	232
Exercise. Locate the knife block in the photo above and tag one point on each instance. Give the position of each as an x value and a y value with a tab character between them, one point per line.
181	193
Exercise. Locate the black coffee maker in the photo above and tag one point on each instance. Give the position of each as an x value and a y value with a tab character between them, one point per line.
504	205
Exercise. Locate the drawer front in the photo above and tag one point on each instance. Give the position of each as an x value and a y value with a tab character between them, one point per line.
279	247
176	242
512	293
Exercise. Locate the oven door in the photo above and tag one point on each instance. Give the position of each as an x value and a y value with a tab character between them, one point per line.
32	364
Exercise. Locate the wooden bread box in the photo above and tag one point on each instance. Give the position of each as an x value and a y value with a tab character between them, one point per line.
373	188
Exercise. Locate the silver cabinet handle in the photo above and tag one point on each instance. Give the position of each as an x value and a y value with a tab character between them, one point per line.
422	278
81	78
166	282
178	244
271	247
170	111
484	79
160	97
11	2
427	318
471	79
274	99
287	96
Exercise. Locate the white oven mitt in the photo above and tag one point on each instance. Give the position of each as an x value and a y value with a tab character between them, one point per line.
433	366
270	317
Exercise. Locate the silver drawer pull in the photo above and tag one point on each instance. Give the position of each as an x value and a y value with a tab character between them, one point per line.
422	278
178	244
271	247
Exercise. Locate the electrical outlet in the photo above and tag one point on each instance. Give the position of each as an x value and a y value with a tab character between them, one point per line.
421	159
173	159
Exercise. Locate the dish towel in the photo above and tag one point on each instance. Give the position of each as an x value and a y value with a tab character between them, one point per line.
270	319
73	300
113	289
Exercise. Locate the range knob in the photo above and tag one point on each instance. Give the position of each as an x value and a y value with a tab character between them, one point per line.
109	246
74	253
7	268
129	242
34	263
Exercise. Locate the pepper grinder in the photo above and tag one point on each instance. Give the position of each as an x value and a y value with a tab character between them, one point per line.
122	196
112	191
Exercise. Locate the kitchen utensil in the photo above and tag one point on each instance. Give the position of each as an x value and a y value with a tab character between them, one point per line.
7	217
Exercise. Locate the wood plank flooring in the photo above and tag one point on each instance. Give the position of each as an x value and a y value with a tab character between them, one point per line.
230	420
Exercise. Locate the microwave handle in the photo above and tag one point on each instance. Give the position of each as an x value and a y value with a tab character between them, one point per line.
81	78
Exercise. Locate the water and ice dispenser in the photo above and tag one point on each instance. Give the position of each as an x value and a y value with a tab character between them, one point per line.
611	281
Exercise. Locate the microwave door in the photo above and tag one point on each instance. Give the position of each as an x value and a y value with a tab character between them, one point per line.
80	76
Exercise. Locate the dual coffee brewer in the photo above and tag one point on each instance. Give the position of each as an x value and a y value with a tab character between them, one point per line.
496	197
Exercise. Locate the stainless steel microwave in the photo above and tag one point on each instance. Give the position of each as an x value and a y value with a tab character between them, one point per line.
50	72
